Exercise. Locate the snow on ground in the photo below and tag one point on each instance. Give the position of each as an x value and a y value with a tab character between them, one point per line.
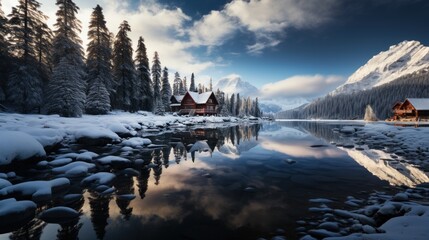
15	146
20	134
381	216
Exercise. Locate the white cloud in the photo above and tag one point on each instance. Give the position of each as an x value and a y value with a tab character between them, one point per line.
212	29
301	86
266	19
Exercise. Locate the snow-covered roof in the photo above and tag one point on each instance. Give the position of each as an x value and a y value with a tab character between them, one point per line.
419	103
175	105
178	98
200	98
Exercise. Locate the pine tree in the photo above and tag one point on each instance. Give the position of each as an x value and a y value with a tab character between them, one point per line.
123	69
156	79
257	111
176	84
4	55
185	85
67	43
99	55
232	105
98	101
166	90
211	85
44	38
192	88
238	105
25	85
143	76
66	98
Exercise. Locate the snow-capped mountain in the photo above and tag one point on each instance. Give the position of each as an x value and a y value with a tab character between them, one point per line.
400	60
234	84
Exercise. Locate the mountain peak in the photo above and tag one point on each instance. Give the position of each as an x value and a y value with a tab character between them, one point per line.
399	60
234	84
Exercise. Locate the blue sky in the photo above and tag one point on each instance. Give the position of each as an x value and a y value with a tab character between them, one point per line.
287	44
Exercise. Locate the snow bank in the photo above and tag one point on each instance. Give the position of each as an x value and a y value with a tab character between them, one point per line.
17	146
45	136
39	191
95	133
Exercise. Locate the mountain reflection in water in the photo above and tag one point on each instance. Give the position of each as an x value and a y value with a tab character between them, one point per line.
379	163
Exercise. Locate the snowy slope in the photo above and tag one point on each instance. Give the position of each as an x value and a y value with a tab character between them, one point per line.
234	84
400	60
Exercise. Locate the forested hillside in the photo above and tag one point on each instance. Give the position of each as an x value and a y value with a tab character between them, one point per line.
352	106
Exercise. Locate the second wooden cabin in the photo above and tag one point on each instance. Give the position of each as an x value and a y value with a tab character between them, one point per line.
412	109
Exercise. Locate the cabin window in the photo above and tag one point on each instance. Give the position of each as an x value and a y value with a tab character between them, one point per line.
210	101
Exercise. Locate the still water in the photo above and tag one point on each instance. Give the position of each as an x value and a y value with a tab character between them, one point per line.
241	182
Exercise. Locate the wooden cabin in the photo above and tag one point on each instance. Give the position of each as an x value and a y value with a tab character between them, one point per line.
412	109
195	103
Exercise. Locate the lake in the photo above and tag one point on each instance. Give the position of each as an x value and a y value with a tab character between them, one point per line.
241	182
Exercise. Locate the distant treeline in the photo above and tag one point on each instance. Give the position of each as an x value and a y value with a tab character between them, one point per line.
352	106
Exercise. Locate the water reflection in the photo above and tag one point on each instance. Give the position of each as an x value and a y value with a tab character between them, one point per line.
228	183
379	163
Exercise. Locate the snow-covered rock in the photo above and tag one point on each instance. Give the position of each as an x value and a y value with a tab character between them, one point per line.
136	142
95	136
100	178
74	169
60	162
18	146
400	60
14	214
114	160
4	183
59	215
39	191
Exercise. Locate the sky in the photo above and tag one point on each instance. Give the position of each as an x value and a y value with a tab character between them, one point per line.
287	48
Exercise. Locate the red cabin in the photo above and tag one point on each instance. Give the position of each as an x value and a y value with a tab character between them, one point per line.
412	109
195	103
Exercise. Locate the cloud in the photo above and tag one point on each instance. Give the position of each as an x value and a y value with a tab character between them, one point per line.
212	29
267	20
302	86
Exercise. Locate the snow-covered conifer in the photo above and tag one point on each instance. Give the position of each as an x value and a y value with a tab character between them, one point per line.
192	87
99	55
66	90
66	95
166	90
176	84
123	69
4	55
25	85
143	76
156	79
97	101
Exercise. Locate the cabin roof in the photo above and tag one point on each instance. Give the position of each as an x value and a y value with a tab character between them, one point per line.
178	98
200	98
419	103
